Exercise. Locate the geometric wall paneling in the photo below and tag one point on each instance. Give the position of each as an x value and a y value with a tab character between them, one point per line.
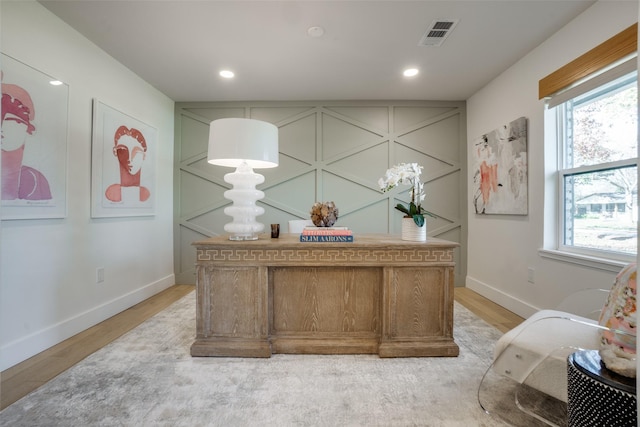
186	232
441	226
329	151
364	166
288	168
345	193
198	165
288	196
436	190
372	218
194	130
206	171
197	193
281	116
204	221
274	211
297	139
373	118
431	165
360	153
340	136
438	139
210	114
409	117
453	235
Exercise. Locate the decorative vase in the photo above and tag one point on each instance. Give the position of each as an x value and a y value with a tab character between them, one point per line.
411	232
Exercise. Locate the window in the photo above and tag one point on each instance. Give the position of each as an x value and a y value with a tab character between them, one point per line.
597	177
590	156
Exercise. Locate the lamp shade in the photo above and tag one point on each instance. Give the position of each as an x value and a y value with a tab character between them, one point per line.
233	141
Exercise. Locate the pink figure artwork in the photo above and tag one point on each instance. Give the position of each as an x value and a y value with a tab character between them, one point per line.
130	149
19	181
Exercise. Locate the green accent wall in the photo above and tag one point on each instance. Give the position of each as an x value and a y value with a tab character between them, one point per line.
329	151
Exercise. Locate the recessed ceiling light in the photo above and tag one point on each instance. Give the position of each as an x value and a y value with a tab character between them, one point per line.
55	82
227	74
410	72
315	31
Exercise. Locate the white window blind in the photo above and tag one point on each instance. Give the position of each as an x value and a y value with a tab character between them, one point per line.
625	66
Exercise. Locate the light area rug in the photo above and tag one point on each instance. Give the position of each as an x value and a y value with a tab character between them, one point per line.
147	377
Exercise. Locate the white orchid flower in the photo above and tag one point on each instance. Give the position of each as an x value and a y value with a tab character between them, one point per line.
406	174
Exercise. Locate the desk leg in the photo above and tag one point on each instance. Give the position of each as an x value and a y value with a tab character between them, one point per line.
417	312
231	312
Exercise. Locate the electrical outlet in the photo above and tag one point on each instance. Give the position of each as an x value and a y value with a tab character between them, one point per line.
99	274
531	275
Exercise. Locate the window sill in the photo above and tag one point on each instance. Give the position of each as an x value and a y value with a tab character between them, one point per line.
611	265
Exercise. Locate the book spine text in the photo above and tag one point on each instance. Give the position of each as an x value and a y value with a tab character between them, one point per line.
304	238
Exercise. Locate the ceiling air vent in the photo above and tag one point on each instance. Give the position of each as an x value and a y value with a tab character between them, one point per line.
438	32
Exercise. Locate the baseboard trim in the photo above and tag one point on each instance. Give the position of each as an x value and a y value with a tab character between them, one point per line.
507	301
22	349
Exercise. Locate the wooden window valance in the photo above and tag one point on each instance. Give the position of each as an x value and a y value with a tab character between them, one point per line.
616	48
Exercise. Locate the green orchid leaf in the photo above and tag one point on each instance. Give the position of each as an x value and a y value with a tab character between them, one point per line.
402	209
419	220
413	210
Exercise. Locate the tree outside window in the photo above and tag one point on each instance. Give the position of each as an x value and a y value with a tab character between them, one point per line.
600	179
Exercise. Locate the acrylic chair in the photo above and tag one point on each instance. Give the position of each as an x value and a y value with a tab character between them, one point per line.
526	385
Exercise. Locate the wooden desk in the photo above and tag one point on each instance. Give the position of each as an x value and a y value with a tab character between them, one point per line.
378	294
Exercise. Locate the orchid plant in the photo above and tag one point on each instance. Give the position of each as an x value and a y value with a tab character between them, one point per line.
407	174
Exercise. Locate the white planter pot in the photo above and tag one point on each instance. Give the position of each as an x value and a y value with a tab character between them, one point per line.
411	232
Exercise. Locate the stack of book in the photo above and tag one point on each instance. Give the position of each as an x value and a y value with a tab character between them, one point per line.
326	234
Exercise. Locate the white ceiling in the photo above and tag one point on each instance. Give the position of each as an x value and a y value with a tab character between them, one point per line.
179	46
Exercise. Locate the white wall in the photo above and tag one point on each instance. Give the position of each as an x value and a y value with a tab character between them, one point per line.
501	273
48	289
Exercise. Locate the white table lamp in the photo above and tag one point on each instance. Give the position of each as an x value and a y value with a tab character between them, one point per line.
244	144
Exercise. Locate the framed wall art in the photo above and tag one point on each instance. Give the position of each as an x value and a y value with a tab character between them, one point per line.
34	143
500	170
123	174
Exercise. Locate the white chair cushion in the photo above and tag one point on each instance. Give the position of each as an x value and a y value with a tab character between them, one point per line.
544	334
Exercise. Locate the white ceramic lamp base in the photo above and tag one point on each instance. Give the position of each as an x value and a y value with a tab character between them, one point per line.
244	210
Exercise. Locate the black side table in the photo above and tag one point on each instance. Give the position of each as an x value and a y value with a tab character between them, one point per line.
597	396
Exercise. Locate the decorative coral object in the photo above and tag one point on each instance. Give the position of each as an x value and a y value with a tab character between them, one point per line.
618	341
324	214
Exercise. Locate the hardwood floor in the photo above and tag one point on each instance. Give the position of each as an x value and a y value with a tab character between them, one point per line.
492	313
25	377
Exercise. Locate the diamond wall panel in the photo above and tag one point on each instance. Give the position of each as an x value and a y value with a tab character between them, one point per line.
328	151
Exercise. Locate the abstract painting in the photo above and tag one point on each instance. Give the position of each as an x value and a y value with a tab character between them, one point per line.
34	143
123	164
500	170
